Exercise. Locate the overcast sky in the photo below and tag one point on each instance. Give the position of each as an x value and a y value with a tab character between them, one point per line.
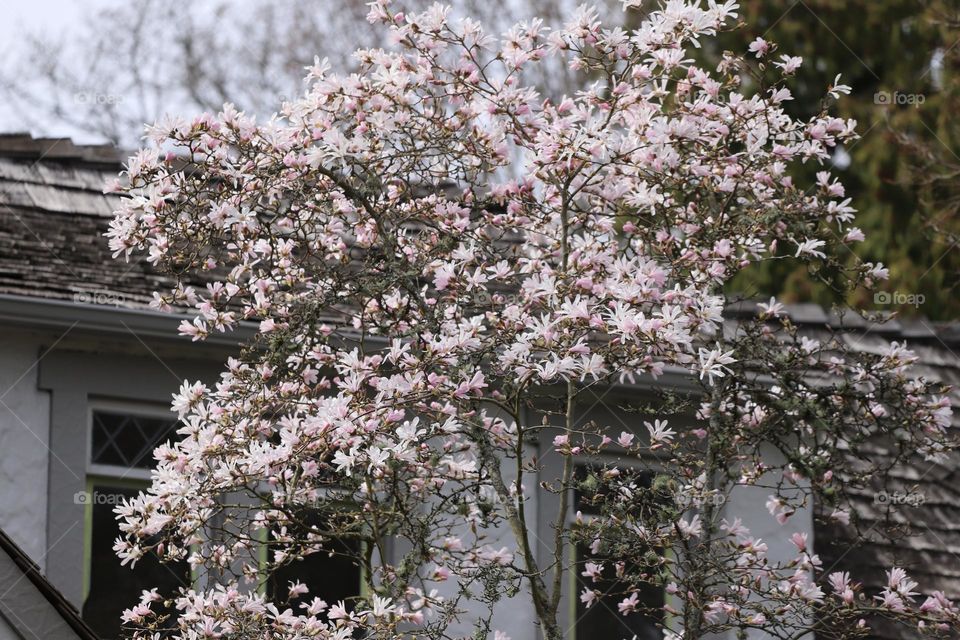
67	21
26	16
54	14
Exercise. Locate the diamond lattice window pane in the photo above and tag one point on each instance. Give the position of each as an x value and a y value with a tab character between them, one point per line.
125	440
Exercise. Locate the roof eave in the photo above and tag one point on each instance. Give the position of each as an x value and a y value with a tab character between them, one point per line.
22	311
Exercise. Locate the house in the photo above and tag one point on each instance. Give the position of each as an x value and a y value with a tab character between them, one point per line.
87	370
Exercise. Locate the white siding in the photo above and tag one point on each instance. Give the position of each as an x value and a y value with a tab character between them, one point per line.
24	434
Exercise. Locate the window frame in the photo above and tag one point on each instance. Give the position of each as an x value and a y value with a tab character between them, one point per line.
263	554
113	475
77	375
552	463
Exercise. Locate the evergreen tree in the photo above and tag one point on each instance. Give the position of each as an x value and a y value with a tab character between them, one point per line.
900	57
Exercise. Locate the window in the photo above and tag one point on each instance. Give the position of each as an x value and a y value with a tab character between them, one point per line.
121	446
121	441
602	619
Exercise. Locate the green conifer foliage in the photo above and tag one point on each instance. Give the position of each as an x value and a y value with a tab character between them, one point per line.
901	58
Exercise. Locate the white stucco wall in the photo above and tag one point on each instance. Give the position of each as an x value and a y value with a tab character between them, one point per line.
750	505
24	433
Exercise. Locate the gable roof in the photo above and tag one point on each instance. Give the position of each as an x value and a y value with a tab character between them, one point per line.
32	606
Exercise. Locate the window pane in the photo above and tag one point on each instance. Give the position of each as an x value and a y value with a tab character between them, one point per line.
329	577
114	588
602	619
127	440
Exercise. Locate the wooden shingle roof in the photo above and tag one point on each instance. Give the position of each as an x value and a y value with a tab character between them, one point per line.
53	214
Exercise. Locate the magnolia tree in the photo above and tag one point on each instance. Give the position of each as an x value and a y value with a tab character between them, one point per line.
426	317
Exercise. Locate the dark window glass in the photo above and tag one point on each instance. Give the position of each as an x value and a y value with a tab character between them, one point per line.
592	488
114	588
128	441
331	575
603	619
